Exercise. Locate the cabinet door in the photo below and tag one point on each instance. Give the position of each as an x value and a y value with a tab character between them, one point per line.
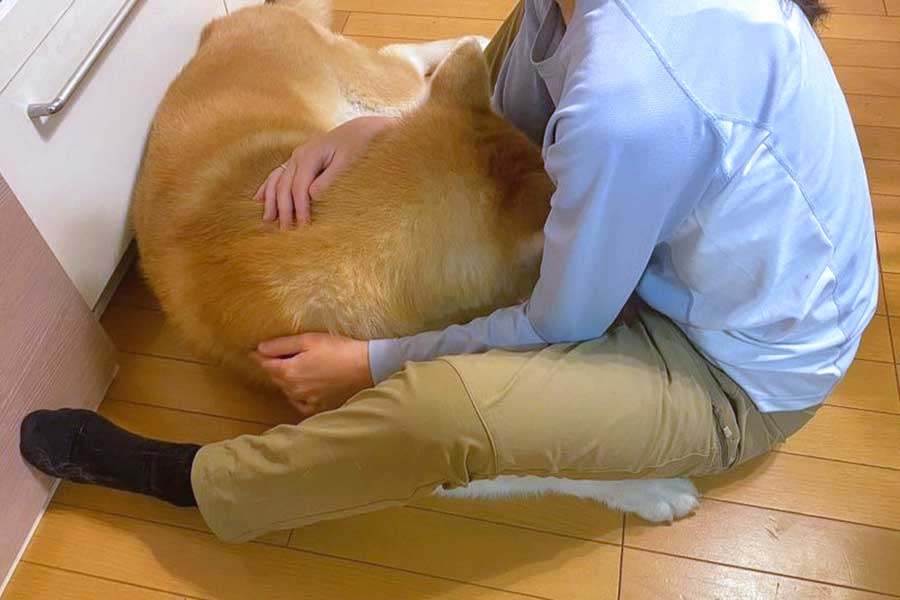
53	353
73	172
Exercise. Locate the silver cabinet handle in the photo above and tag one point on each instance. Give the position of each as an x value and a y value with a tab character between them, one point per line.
46	109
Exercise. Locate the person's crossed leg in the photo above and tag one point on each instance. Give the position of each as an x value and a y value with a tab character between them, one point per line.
637	403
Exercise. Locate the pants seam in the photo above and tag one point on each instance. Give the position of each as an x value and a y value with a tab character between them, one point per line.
487	432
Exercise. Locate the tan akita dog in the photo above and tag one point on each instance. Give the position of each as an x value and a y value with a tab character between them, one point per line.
440	222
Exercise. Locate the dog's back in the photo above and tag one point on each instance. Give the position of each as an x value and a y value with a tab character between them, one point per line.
439	222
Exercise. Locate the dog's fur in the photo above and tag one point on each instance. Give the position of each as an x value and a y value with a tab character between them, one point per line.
438	223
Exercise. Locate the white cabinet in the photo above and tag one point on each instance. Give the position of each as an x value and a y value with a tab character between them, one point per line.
73	172
234	5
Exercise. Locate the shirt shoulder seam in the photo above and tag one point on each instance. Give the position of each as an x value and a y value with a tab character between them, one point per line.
714	119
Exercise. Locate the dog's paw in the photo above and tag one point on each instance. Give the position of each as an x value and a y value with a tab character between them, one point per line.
656	500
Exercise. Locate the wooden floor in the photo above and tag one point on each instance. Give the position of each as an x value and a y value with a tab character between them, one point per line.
819	518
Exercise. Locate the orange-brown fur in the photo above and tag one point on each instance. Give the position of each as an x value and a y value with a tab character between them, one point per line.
436	224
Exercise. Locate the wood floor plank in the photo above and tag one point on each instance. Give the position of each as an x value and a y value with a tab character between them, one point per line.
895	326
857	7
37	582
649	576
887	212
473	9
338	20
146	332
876	341
812	486
863	53
861	27
143	507
880	142
851	435
881	307
874	111
196	388
778	542
419	28
869	80
514	559
378	42
884	176
889	252
893	7
867	385
563	515
174	425
194	564
892	292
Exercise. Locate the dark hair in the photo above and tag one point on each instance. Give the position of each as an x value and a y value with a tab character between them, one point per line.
813	9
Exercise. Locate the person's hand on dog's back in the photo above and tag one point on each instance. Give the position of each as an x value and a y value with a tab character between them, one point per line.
312	167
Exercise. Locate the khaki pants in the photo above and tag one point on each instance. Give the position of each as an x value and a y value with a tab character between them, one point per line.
639	402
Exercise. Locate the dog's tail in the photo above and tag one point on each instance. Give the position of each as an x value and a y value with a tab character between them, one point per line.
317	11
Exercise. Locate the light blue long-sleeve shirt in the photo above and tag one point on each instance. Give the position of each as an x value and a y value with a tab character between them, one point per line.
704	156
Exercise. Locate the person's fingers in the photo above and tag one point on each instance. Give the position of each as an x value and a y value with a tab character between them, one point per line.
303	408
259	195
300	189
276	369
283	195
270	211
288	345
326	177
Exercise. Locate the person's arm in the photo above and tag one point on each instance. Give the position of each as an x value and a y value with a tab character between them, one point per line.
623	179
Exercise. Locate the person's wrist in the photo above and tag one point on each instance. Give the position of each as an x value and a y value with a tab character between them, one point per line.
363	370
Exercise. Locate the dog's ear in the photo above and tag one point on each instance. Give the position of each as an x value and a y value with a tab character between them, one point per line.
462	77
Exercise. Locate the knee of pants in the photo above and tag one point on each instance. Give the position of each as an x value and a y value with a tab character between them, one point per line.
429	413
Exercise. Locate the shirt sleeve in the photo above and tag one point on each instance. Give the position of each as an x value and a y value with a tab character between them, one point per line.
627	169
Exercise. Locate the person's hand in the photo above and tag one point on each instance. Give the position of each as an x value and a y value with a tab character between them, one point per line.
312	167
316	371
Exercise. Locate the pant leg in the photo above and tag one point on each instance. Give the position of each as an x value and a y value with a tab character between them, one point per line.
385	447
760	432
639	402
502	40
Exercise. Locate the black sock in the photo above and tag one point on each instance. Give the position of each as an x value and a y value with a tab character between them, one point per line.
82	446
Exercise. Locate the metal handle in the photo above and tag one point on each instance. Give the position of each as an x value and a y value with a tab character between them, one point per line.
46	109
